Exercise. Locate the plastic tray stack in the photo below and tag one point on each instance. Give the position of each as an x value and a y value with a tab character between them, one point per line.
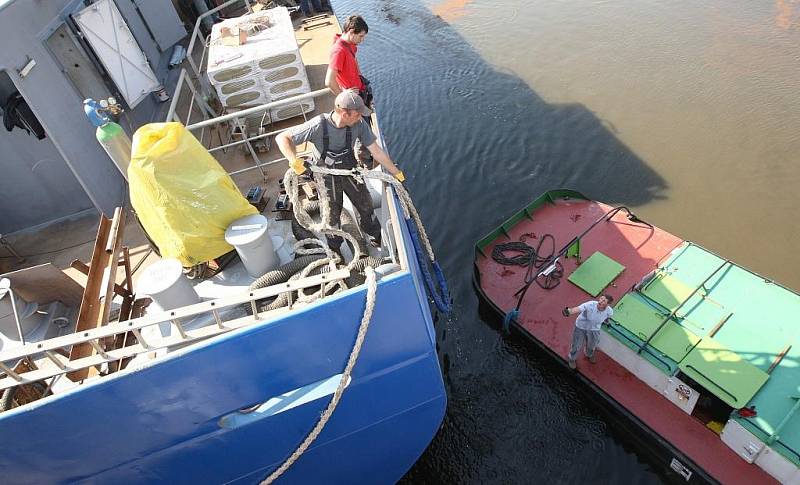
267	67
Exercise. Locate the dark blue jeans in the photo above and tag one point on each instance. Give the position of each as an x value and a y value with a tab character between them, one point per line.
307	11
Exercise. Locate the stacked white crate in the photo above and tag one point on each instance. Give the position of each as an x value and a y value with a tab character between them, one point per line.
267	67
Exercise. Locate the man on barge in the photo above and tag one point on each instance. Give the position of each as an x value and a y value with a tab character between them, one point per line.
592	314
331	136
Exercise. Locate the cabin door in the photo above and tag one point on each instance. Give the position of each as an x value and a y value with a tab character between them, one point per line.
105	30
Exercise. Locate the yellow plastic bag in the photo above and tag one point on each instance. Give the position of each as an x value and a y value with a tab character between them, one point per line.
183	197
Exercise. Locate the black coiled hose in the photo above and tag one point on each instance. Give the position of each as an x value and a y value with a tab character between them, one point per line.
532	259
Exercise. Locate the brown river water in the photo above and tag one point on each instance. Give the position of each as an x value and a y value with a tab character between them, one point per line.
686	111
707	94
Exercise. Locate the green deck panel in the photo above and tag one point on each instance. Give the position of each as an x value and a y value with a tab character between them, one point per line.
627	338
691	265
637	316
723	372
641	320
701	313
594	274
667	291
674	341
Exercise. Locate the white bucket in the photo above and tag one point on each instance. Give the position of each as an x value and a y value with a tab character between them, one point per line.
166	284
281	249
252	241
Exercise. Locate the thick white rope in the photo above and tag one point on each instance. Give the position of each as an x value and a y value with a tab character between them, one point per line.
372	288
405	199
319	229
291	183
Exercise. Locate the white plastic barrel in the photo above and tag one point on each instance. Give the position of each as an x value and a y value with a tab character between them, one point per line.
166	284
252	241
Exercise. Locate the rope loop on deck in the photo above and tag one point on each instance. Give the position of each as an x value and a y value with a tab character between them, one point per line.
438	290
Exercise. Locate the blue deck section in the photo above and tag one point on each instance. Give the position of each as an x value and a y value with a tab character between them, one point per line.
162	423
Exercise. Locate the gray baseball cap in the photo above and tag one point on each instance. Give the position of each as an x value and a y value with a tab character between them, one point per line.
349	99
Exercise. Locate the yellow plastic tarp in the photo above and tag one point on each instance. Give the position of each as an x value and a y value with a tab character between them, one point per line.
183	197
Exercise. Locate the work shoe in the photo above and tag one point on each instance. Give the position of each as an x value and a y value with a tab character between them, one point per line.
572	364
592	359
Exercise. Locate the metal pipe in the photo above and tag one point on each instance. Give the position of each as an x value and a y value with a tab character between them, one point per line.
197	28
675	311
252	150
174	103
259	109
14	310
776	434
239	142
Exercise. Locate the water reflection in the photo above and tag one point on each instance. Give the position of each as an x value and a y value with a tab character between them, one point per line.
788	14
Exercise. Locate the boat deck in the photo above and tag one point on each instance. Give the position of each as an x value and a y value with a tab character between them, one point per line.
72	238
640	249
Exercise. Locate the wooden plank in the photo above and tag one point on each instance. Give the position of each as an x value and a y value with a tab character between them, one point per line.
113	248
126	261
90	306
84	268
44	284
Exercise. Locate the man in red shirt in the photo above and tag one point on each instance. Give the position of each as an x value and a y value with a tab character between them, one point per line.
343	72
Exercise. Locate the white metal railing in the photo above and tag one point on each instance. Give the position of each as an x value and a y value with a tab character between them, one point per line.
196	33
203	91
52	363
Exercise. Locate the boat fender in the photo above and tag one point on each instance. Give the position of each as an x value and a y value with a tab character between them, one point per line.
512	315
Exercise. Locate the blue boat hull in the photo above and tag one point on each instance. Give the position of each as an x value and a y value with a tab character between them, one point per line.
178	420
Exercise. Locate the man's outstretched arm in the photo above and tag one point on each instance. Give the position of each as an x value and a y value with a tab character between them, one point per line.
383	158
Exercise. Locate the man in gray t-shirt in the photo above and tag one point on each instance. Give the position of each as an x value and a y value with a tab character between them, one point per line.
592	315
331	137
312	131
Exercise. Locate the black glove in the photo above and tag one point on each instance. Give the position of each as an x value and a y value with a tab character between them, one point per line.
565	311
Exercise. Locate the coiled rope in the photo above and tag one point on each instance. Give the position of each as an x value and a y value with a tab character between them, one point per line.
439	290
531	258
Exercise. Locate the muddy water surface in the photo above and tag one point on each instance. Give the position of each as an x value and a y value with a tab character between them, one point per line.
686	111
